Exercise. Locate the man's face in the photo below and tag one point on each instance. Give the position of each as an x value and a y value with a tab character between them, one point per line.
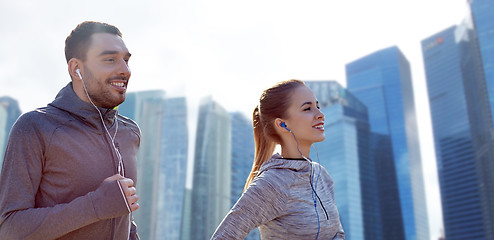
106	70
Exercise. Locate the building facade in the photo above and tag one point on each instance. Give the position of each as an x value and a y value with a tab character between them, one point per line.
462	128
242	143
483	21
212	165
9	112
3	132
346	154
173	167
162	161
382	81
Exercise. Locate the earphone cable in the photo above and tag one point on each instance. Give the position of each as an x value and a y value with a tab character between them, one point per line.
317	179
313	192
120	167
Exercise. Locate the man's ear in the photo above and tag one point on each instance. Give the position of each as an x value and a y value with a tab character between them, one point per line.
72	66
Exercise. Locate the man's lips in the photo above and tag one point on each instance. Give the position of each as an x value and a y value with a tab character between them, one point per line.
119	82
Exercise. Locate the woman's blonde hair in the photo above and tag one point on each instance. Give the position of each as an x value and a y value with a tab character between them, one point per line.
273	104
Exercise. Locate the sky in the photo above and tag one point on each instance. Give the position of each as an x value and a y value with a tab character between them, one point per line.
229	49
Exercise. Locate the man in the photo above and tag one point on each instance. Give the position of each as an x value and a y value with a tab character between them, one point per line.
70	167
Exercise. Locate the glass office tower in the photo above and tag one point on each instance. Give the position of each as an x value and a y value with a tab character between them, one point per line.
9	112
482	17
162	161
462	128
242	143
147	111
3	133
345	153
173	166
185	229
212	165
482	12
382	81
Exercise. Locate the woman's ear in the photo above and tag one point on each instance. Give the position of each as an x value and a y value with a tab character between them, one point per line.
280	125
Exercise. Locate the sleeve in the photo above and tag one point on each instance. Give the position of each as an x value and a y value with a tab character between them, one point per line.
260	203
20	178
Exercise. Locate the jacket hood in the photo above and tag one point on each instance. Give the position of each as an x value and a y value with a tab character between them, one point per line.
67	100
278	162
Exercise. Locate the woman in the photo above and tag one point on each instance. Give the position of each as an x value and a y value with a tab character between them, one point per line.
287	196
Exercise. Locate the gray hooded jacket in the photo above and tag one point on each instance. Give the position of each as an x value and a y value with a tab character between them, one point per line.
52	177
280	202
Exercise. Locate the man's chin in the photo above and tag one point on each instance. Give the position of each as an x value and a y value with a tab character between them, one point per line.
113	104
119	99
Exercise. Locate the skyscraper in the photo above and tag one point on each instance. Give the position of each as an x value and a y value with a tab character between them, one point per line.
345	153
462	127
9	112
185	229
148	113
212	165
242	143
173	166
382	81
161	161
483	20
3	132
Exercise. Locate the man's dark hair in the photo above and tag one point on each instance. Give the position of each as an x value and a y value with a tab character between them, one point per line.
78	41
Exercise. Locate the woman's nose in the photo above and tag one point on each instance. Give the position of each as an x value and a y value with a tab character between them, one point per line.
320	115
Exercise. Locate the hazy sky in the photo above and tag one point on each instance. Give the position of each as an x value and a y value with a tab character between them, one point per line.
229	49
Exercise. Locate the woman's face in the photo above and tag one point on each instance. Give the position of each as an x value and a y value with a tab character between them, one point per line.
304	118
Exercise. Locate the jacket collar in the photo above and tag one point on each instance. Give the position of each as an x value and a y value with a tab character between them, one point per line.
68	101
277	162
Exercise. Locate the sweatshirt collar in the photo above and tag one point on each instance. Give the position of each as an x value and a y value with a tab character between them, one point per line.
68	101
277	161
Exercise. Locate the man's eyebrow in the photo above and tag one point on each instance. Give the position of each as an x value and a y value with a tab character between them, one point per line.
110	52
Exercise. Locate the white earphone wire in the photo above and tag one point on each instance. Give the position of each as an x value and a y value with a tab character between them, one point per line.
120	167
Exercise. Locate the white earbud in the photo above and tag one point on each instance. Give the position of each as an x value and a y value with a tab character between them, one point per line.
79	73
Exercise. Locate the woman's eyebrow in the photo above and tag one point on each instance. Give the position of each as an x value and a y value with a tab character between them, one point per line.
306	103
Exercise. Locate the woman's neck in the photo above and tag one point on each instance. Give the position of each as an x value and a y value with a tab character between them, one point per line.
292	151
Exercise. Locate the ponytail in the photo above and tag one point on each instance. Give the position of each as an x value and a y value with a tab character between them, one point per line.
263	147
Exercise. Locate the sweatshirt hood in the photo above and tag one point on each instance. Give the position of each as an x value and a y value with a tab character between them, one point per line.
67	100
278	162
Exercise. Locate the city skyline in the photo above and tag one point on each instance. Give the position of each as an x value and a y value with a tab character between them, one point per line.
162	161
452	130
212	170
382	81
458	62
9	112
209	48
346	155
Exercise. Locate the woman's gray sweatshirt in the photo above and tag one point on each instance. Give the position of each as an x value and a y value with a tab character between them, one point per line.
280	201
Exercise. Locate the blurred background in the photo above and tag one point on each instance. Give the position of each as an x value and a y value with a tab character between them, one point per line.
406	87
